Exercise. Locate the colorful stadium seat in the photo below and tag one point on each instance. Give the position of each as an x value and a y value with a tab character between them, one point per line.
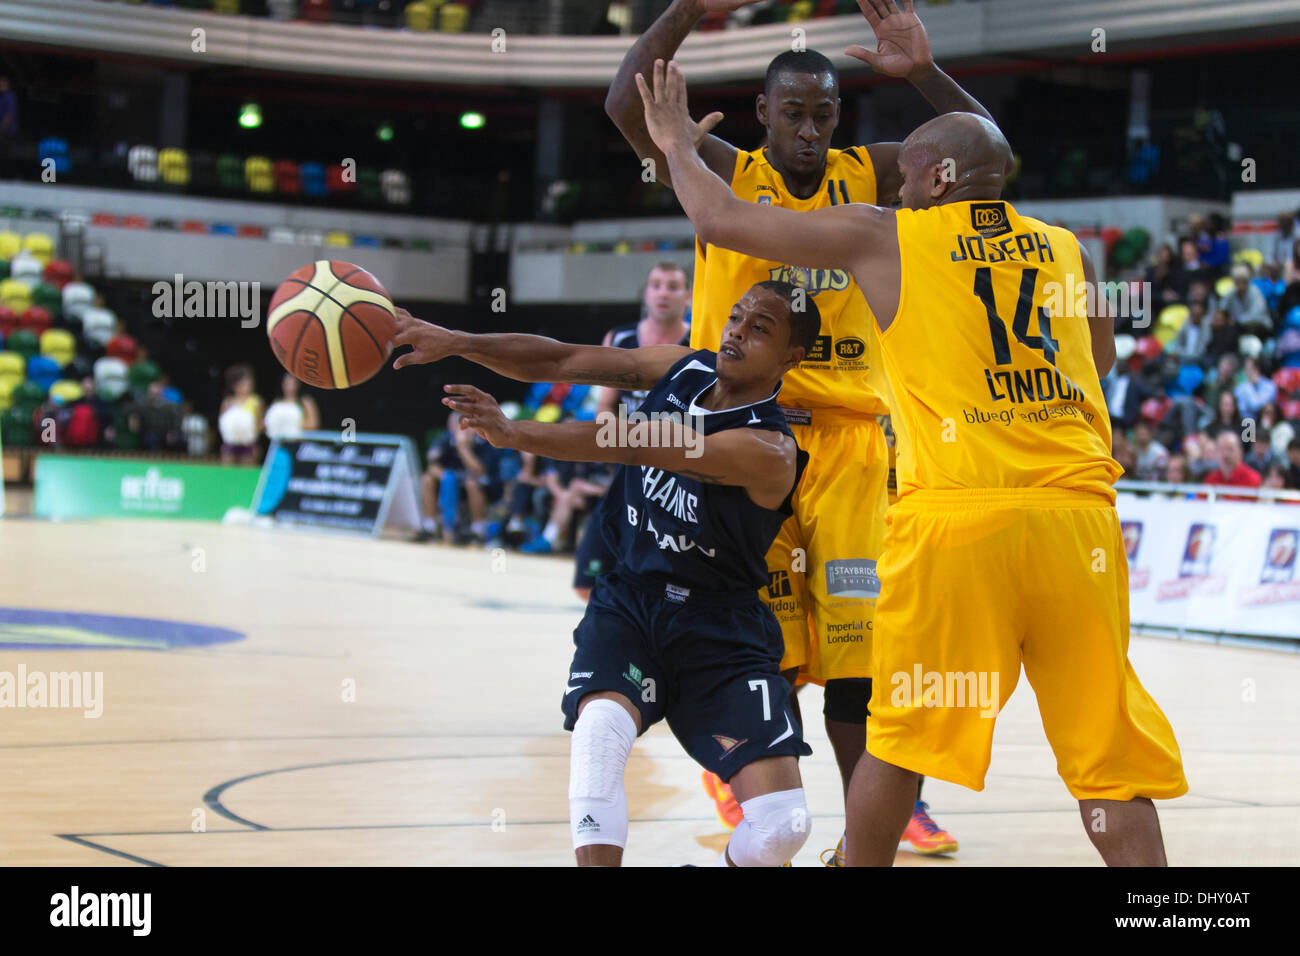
419	15
8	320
453	18
288	179
13	367
142	163
226	6
143	374
1223	287
10	244
174	166
27	269
29	393
24	343
98	325
59	345
42	371
313	179
316	10
368	185
77	297
259	174
16	427
339	240
40	245
395	186
59	272
66	391
7	386
49	298
110	376
122	346
230	172
337	182
15	294
36	319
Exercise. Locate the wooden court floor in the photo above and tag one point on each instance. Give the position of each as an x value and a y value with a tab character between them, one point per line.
392	703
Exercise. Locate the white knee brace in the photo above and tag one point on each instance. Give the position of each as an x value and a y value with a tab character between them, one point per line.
602	739
775	827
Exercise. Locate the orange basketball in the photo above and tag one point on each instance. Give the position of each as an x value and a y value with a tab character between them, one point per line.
331	324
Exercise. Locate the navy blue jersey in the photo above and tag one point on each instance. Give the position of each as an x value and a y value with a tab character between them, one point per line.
668	528
627	337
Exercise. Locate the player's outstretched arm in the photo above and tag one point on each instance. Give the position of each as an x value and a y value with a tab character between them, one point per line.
848	236
761	462
535	358
903	51
1101	326
623	105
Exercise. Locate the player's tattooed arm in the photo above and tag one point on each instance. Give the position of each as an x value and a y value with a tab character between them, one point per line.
535	358
623	106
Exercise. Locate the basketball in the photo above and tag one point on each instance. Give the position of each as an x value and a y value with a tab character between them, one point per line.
331	324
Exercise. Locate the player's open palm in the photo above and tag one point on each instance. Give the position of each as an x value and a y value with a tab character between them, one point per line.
666	116
901	43
480	412
430	342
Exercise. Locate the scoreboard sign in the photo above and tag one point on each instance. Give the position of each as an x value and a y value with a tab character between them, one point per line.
361	485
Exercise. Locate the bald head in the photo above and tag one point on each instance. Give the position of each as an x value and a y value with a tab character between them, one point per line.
953	158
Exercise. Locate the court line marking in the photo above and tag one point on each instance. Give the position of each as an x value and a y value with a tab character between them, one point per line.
76	838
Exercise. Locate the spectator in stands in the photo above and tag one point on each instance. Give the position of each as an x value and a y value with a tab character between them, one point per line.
156	420
459	462
1293	464
1151	456
1199	455
8	110
528	500
1166	278
1122	450
1223	338
575	487
1291	265
292	413
1245	304
1176	471
1189	344
194	431
1232	469
1255	392
1193	269
1125	394
1259	450
240	422
1227	415
1288	234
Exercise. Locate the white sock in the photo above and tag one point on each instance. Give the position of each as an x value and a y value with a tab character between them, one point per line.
551	533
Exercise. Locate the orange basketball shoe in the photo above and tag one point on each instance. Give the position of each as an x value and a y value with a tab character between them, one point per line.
925	835
724	801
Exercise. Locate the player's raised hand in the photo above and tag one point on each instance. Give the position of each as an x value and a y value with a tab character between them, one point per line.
666	116
901	43
480	412
430	342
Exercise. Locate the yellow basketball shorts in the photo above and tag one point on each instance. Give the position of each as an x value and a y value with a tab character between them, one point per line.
822	566
979	582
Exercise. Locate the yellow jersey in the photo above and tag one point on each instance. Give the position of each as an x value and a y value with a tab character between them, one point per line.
843	369
989	359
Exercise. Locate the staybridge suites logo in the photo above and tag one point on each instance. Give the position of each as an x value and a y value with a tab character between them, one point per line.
152	492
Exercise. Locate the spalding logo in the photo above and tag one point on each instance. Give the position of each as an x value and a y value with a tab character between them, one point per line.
850	348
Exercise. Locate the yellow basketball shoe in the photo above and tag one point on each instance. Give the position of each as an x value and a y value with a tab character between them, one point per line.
925	835
834	857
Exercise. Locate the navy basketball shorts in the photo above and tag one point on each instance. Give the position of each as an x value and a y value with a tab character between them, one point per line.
710	668
593	557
